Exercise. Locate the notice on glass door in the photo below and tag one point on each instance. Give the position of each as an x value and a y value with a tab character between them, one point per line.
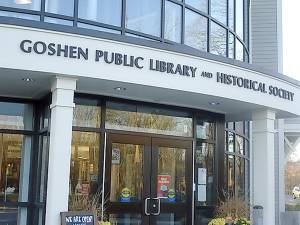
163	185
202	176
201	193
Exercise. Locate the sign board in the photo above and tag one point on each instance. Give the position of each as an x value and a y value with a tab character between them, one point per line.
202	175
116	156
163	185
78	218
201	193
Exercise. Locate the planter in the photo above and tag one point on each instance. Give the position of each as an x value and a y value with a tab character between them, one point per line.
104	223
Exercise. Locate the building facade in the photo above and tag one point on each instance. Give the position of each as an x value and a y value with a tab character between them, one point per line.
154	107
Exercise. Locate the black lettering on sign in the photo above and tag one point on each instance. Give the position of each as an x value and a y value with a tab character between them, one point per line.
78	218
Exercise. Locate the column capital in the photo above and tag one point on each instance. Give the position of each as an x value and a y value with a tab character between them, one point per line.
264	114
63	82
63	92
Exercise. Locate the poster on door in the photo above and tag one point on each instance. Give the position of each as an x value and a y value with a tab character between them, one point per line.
163	185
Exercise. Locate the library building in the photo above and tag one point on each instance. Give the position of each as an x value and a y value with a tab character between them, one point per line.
154	110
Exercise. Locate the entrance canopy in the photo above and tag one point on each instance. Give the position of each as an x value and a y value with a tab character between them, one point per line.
129	71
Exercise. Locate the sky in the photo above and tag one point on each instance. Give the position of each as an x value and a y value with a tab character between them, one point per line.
291	36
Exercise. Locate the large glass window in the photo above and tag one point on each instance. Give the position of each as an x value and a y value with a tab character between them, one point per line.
219	10
31	5
218	40
231	46
239	50
84	163
231	14
195	30
131	117
103	11
239	20
173	18
65	7
16	116
144	16
237	161
202	5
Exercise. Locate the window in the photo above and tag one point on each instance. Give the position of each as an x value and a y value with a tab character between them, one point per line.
173	20
219	10
195	30
231	46
141	118
239	20
218	40
65	7
144	16
84	163
239	50
202	5
103	11
34	5
231	14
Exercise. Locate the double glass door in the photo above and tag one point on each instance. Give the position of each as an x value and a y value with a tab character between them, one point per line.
148	180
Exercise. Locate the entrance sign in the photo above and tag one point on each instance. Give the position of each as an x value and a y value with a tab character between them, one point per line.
78	218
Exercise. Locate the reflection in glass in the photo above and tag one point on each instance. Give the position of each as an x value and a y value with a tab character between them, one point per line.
240	173
173	19
202	5
219	10
87	116
231	46
16	116
144	16
239	145
65	7
239	20
239	127
122	116
195	30
35	5
231	14
230	142
126	172
230	175
171	179
103	11
239	51
218	40
170	219
125	219
42	168
205	130
84	163
204	159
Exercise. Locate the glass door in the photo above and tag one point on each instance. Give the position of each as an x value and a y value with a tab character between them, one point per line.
148	181
171	182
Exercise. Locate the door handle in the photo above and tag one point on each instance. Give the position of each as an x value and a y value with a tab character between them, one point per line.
158	210
146	206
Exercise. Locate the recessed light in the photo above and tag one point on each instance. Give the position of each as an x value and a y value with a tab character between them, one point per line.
214	103
23	2
120	89
28	79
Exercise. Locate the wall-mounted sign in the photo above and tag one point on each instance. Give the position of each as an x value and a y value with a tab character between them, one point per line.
142	63
78	218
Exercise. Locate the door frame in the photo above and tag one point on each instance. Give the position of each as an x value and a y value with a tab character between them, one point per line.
150	143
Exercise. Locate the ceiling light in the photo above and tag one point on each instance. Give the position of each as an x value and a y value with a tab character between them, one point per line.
214	103
23	2
28	79
120	89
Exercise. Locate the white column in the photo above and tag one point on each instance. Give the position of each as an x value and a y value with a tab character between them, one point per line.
263	163
60	148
